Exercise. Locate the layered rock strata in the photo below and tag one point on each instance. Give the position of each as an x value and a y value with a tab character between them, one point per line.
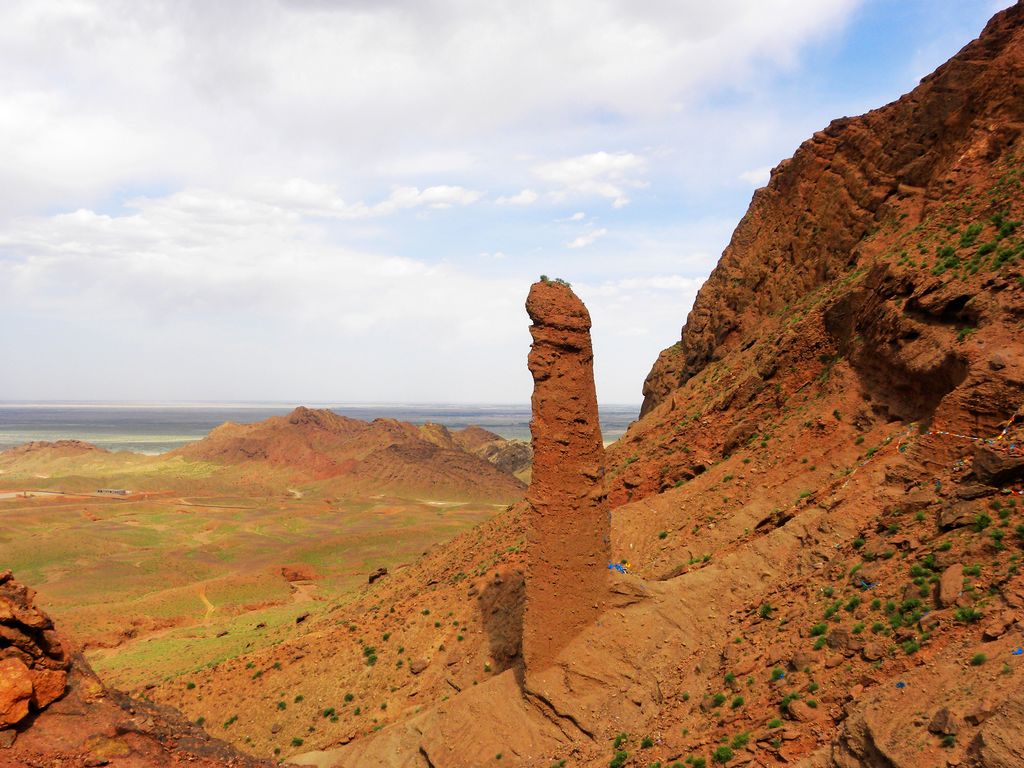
568	521
33	664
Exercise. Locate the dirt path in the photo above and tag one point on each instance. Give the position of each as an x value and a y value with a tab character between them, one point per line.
210	607
302	591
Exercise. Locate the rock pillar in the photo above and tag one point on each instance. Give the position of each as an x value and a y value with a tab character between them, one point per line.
568	523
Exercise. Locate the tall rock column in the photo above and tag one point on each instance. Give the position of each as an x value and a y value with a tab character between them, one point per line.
568	523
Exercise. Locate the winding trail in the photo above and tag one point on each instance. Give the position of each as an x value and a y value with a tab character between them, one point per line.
210	607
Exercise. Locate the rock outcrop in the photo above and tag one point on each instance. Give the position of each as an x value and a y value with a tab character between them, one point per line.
568	521
816	218
33	663
55	711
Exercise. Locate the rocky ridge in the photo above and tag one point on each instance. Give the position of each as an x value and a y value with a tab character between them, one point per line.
318	445
55	711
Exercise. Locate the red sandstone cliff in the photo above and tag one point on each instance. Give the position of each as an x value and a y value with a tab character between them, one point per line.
568	522
842	202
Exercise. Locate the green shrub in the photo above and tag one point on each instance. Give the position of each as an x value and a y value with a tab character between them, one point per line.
968	614
619	760
722	755
970	235
978	659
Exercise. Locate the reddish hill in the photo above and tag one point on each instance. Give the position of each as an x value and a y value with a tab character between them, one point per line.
56	449
383	455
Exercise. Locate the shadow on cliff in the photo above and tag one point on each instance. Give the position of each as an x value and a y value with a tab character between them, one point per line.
902	345
501	603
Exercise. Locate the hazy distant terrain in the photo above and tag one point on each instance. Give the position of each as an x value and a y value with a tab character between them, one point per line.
156	428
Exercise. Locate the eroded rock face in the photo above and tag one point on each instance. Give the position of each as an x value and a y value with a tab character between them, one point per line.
33	664
568	518
814	219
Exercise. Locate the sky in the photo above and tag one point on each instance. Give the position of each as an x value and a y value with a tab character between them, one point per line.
347	200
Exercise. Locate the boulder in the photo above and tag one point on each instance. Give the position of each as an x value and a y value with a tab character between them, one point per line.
995	468
48	685
944	722
957	515
951	585
802	712
15	691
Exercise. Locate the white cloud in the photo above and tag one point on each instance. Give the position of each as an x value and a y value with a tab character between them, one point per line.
232	178
97	98
601	174
323	200
217	273
587	238
757	177
525	197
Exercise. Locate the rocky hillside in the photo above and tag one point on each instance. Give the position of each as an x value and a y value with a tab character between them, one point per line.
816	527
383	455
54	711
818	517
